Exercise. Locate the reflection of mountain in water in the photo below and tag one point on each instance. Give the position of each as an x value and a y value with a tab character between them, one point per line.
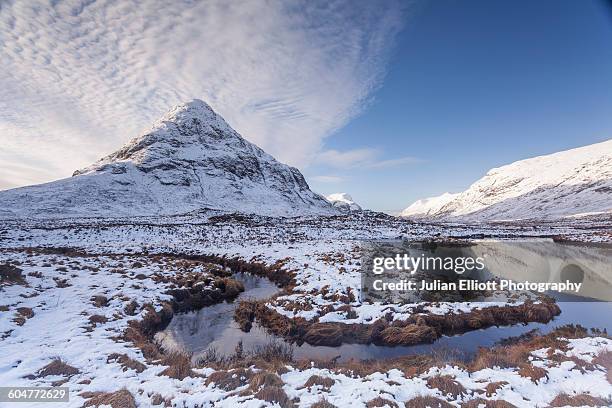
548	261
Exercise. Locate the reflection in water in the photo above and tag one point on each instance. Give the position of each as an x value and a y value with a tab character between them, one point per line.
214	327
548	261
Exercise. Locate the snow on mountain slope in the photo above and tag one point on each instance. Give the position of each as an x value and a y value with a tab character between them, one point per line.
343	201
569	183
189	160
427	206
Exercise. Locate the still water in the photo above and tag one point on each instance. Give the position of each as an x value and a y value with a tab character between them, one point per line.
213	327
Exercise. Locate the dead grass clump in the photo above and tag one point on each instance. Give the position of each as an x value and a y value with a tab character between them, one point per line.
157	399
381	402
61	283
10	275
502	357
323	403
244	314
126	362
97	319
141	333
428	402
274	394
179	366
447	385
229	380
316	380
23	313
57	367
117	399
533	372
324	334
348	310
265	379
130	308
480	402
232	287
517	354
580	400
99	301
492	388
605	360
409	334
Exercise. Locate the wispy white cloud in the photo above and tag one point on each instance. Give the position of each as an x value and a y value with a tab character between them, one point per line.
400	161
327	179
79	78
368	158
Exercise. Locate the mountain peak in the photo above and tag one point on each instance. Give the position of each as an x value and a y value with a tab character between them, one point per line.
190	159
194	109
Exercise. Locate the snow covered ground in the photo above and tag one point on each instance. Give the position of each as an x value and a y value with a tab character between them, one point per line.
75	307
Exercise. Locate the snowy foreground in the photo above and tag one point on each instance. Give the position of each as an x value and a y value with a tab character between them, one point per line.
70	288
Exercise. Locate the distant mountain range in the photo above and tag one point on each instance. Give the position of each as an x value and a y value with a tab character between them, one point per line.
189	160
570	183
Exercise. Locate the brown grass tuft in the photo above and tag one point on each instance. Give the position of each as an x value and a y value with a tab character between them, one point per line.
316	380
530	371
580	400
323	403
99	301
605	360
229	380
409	334
427	402
324	334
381	402
265	379
23	313
57	367
97	319
130	308
126	362
479	402
11	275
447	385
117	399
179	366
274	395
492	388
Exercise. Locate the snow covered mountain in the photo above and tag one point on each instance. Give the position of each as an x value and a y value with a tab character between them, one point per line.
564	184
189	160
427	206
343	202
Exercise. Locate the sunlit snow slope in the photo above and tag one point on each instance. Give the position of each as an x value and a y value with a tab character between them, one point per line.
564	184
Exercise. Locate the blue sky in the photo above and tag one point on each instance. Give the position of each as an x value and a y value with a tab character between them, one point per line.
473	85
